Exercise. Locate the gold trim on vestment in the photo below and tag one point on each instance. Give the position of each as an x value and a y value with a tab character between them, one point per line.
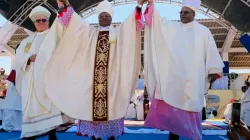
27	47
32	86
100	82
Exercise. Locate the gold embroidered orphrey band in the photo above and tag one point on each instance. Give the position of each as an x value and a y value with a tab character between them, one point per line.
100	85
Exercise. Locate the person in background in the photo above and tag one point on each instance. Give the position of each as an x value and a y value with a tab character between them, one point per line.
228	110
143	105
3	82
245	107
3	87
3	75
12	107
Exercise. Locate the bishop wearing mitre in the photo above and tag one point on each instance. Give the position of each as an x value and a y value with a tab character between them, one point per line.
179	58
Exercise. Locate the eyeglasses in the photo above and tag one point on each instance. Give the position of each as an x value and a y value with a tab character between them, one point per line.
185	12
41	20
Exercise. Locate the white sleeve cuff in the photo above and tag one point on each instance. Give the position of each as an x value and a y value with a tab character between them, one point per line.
214	71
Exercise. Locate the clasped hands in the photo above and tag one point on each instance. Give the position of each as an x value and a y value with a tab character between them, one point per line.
32	58
62	3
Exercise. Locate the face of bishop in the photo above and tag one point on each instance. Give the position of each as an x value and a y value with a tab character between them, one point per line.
187	15
41	23
105	19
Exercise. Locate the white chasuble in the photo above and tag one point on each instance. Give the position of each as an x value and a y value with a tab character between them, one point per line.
29	84
79	70
39	114
178	59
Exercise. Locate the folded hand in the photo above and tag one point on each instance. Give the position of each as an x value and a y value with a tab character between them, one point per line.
33	58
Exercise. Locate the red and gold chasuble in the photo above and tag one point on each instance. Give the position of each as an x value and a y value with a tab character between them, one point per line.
100	85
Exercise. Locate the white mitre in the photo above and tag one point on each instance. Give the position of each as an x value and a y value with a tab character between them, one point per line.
105	6
193	4
39	10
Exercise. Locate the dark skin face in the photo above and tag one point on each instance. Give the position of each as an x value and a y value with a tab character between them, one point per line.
187	15
105	19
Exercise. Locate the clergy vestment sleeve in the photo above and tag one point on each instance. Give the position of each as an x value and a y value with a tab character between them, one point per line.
214	63
139	19
148	14
68	47
153	37
129	45
149	68
20	60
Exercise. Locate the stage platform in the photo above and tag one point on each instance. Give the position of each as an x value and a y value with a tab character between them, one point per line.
134	130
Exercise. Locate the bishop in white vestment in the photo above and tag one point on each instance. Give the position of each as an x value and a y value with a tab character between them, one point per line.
179	56
93	70
40	115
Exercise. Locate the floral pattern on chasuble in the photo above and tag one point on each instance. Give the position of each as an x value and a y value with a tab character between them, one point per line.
100	85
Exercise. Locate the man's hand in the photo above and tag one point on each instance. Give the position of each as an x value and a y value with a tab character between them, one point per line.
32	58
61	3
232	135
242	131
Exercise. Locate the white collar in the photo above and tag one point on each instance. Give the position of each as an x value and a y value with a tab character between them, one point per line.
102	28
44	32
190	24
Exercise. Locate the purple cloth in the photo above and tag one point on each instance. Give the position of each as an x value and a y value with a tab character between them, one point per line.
166	117
65	15
108	129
